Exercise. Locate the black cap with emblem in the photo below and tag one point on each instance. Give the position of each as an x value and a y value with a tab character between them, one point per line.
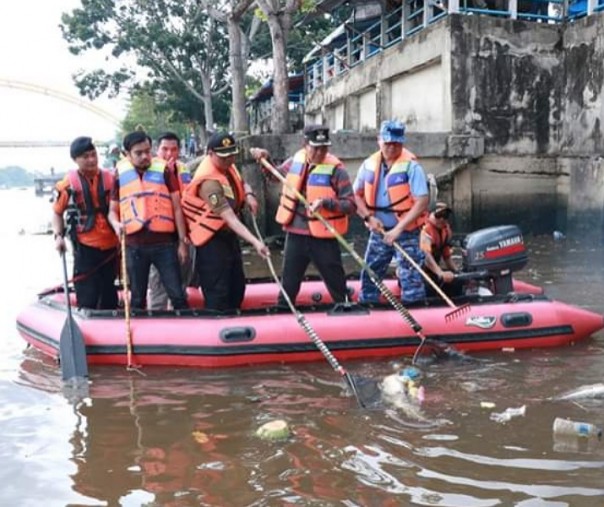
222	144
317	135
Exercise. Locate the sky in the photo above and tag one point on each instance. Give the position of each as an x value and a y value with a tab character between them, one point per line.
33	51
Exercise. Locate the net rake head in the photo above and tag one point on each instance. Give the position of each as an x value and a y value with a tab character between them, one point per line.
458	312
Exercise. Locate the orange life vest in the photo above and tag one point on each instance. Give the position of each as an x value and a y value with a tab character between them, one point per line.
183	175
202	222
318	186
145	202
92	204
397	184
436	241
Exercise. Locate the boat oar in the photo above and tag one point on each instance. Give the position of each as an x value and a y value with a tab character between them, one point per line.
355	383
72	349
386	292
126	297
457	310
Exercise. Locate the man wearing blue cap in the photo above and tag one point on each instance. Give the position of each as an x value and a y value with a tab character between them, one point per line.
391	193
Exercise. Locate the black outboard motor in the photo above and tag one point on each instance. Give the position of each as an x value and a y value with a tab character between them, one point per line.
497	251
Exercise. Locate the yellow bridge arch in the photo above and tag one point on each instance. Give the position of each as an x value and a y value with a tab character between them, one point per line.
66	97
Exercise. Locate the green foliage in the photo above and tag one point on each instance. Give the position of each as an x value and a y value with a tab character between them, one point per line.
145	110
308	29
14	176
173	43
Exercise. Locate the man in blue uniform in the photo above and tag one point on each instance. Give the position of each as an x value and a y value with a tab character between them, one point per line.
391	193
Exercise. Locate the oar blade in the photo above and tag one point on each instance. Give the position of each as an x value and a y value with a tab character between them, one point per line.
72	351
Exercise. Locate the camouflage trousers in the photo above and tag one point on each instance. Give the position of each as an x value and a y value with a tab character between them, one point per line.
378	256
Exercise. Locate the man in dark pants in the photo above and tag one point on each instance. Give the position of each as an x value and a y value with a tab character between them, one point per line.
83	196
211	204
322	179
145	206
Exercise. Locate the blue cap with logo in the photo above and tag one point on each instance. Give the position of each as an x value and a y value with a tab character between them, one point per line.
392	131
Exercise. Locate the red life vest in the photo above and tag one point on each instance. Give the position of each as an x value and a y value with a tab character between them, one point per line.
92	227
318	186
202	222
436	241
145	202
397	184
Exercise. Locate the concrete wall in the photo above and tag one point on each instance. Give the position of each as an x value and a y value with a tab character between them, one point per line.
507	83
428	111
583	107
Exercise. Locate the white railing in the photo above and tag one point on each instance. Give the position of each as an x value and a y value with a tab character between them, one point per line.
415	15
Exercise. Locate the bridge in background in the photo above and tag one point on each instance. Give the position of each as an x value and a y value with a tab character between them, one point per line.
59	95
43	144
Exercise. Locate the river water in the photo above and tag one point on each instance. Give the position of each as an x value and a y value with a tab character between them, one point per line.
186	437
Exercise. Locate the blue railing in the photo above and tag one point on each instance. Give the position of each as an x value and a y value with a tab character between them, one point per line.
415	15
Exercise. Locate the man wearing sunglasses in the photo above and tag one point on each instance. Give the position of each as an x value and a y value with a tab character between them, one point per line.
391	193
435	242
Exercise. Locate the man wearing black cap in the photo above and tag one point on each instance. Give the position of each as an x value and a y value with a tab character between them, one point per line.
83	197
322	179
145	206
211	205
435	242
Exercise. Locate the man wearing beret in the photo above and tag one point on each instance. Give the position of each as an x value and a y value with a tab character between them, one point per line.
83	197
145	206
322	179
211	205
391	192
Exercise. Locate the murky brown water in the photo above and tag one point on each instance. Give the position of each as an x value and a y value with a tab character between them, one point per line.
185	437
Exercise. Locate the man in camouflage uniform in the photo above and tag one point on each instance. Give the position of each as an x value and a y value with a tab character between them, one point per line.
392	197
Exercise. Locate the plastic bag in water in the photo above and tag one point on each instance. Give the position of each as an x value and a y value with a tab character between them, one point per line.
505	416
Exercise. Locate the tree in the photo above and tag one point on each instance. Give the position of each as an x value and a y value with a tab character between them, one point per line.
239	49
278	15
179	49
144	110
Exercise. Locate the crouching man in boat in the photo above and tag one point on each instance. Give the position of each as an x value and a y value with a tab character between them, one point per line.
322	179
168	149
211	205
391	193
435	242
145	206
83	197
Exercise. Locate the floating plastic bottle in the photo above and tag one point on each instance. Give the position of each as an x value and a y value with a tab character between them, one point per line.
580	429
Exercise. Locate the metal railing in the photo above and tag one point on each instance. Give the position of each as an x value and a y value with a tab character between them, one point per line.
416	15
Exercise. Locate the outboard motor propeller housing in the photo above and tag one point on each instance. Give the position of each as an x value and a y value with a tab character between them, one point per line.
497	250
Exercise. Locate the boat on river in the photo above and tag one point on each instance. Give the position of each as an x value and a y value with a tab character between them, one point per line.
515	315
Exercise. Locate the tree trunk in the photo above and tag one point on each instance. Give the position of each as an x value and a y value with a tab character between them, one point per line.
206	83
279	18
238	64
280	116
